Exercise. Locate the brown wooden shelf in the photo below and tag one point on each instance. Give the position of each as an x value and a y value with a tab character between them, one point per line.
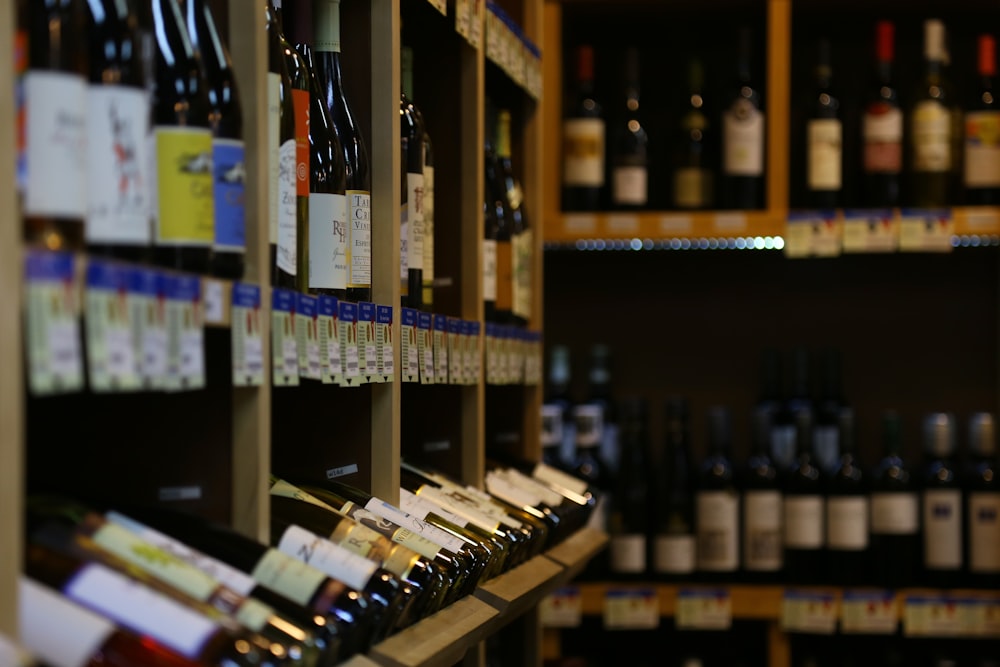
515	591
577	550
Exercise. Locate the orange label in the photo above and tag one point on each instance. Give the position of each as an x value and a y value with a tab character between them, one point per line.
300	101
505	276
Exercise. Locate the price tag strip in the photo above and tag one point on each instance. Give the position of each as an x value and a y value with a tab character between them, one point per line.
871	230
491	353
440	349
247	341
307	337
704	609
331	366
383	342
52	329
926	230
408	346
813	612
455	352
367	343
185	334
631	609
868	612
425	349
950	616
111	359
563	608
474	354
284	346
813	234
147	304
347	328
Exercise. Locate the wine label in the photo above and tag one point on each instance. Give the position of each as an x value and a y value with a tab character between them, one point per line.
674	554
630	185
804	522
307	337
440	349
428	262
295	579
583	152
895	513
141	609
942	521
559	479
982	149
182	199
847	523
415	230
762	533
404	246
628	553
510	493
331	370
383	341
421	507
743	139
287	212
327	241
824	137
274	153
369	543
82	633
359	243
717	520
984	532
117	165
300	103
56	135
489	270
519	479
283	489
433	533
931	137
882	129
466	508
692	187
284	344
388	528
230	173
505	276
523	273
335	560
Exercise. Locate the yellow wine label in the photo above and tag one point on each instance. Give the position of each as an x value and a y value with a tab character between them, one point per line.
185	202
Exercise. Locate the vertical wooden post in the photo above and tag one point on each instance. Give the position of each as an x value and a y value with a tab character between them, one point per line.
779	59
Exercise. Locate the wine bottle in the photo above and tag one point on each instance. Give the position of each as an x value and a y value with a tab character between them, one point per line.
428	280
847	512
502	214
571	507
627	520
629	163
118	116
55	125
895	543
803	504
982	509
674	547
228	155
184	199
797	397
331	82
490	231
763	554
412	142
824	137
293	240
327	236
600	393
693	186
982	132
89	639
743	137
717	503
941	504
827	433
932	124
589	465
281	147
882	127
557	424
583	135
520	232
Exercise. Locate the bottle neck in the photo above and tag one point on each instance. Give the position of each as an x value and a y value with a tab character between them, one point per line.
328	26
503	137
883	69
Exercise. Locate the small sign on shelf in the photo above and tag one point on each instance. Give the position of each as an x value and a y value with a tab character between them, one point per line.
247	341
631	609
704	609
813	612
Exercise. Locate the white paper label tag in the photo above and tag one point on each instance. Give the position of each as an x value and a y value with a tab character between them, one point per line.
215	302
111	359
347	327
425	349
870	230
809	611
631	609
331	368
185	334
146	299
52	335
307	337
440	349
869	612
367	348
386	371
247	341
933	616
284	346
563	608
409	347
342	471
704	609
926	230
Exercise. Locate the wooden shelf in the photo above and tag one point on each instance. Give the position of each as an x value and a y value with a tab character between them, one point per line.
662	225
513	592
577	550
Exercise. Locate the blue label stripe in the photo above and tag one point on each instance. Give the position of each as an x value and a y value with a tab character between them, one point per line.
366	312
383	314
328	306
48	266
246	295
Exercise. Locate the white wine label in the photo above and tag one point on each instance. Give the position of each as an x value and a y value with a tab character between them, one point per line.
466	508
247	340
510	493
628	554
543	491
228	576
428	262
440	349
56	135
692	187
559	479
253	615
931	137
743	140
417	525
52	335
804	522
583	152
118	177
411	539
274	153
489	270
296	580
895	513
882	128
415	202
327	241
82	633
824	137
284	345
982	149
307	337
359	245
704	609
141	609
762	532
287	204
333	559
984	532
383	341
942	521
421	507
630	185
347	328
717	527
331	369
111	354
409	351
847	523
674	554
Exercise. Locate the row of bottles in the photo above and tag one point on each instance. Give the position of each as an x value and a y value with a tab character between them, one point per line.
146	585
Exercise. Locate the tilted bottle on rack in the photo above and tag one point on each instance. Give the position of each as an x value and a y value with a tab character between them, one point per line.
941	504
882	127
629	162
717	503
583	136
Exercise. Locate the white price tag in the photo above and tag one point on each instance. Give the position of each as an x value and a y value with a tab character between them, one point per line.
704	609
284	347
215	305
111	357
563	608
870	230
809	611
926	230
626	609
869	612
247	341
52	337
185	334
331	370
347	327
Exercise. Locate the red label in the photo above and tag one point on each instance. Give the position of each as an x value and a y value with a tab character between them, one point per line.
300	100
883	157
